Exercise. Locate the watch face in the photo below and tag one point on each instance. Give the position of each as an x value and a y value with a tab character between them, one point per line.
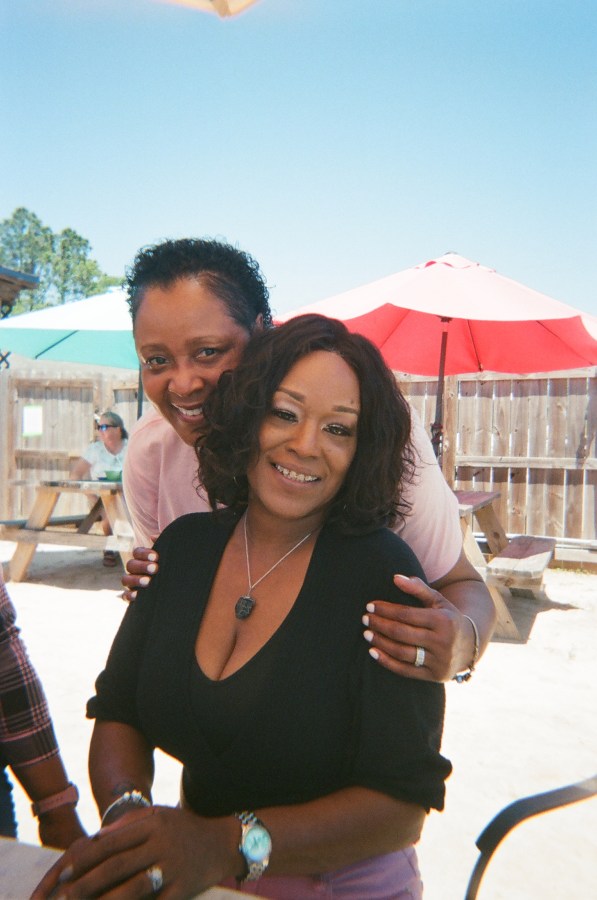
257	844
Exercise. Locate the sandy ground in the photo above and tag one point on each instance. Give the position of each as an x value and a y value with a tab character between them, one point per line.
525	723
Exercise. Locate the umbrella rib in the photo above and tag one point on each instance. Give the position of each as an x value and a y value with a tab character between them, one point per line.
473	345
55	344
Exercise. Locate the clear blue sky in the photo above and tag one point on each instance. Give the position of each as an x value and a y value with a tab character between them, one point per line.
337	140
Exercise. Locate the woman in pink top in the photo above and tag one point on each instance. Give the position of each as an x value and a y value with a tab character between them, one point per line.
194	305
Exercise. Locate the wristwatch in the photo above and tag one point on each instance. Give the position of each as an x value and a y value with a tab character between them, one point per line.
69	795
255	845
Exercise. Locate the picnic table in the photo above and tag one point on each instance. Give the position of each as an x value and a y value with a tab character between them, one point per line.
515	563
41	528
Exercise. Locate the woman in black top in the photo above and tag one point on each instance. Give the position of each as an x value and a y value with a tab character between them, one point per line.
244	658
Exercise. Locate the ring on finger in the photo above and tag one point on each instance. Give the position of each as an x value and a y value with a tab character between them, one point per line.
156	876
419	657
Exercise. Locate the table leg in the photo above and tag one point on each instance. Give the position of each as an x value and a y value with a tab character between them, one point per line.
122	537
492	529
470	545
45	501
504	626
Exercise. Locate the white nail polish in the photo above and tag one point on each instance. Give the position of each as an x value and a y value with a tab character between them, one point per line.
365	621
368	635
144	581
370	607
373	652
152	568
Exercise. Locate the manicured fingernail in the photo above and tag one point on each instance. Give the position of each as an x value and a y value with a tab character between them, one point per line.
402	577
368	635
144	581
152	569
370	607
65	875
365	620
373	652
133	595
152	556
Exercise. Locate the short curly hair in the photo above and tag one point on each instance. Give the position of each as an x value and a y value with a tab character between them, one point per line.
231	274
371	495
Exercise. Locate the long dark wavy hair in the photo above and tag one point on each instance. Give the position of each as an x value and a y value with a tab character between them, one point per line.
370	496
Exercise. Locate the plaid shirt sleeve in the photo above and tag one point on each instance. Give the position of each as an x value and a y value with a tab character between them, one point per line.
26	732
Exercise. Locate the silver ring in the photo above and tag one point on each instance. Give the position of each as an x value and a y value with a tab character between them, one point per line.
156	876
420	657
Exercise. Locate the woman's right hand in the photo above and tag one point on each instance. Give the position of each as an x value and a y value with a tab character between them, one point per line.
140	569
190	853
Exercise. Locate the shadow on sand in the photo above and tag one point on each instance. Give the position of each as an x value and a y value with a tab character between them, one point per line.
524	609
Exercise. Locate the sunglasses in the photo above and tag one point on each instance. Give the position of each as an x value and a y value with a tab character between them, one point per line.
105	427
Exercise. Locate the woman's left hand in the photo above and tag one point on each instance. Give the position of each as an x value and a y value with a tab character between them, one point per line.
156	849
395	632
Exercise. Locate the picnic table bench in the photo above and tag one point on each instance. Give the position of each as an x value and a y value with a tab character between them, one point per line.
516	564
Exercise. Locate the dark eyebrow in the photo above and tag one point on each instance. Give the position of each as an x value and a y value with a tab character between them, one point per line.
300	398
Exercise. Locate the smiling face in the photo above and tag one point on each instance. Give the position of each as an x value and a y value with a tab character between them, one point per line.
307	440
185	339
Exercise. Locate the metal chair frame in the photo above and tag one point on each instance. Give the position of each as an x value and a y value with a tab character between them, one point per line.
516	813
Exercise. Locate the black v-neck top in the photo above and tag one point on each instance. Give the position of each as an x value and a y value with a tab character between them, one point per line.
309	714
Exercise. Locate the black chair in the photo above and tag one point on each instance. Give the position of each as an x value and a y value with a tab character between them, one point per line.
516	813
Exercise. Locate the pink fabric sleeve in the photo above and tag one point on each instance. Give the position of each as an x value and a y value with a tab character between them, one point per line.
432	528
159	478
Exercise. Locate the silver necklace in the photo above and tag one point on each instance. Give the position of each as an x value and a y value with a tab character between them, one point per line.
245	604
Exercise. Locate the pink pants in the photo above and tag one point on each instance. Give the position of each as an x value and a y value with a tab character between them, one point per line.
394	876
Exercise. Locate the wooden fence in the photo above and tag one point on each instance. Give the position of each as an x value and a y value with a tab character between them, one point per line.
530	437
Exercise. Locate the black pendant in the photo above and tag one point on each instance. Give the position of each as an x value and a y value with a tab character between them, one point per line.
244	606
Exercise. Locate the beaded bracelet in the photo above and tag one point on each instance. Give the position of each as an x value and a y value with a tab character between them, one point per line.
464	676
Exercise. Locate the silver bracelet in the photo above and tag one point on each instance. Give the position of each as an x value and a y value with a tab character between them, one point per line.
464	676
129	798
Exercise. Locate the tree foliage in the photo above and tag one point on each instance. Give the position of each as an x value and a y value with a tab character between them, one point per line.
62	261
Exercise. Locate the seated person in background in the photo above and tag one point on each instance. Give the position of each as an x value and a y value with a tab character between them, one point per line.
308	769
28	743
102	456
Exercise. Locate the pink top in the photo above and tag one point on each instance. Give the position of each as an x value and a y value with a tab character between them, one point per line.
160	484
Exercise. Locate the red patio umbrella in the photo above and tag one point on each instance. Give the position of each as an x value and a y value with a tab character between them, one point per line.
451	316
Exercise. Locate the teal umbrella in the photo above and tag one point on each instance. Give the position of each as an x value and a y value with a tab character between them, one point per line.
97	331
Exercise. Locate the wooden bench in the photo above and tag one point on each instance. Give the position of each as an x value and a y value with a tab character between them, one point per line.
520	565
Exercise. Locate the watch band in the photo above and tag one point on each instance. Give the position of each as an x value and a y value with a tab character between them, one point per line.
255	868
55	801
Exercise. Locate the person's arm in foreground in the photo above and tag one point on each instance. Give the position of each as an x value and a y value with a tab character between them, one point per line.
432	529
195	852
58	827
27	735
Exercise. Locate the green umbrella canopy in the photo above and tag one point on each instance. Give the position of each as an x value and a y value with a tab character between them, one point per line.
97	331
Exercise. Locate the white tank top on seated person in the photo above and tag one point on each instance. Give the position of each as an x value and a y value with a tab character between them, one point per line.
160	484
101	460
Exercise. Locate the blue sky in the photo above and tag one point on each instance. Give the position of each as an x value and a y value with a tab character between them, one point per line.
336	140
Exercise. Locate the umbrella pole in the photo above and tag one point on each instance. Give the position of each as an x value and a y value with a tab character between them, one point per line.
139	395
437	427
